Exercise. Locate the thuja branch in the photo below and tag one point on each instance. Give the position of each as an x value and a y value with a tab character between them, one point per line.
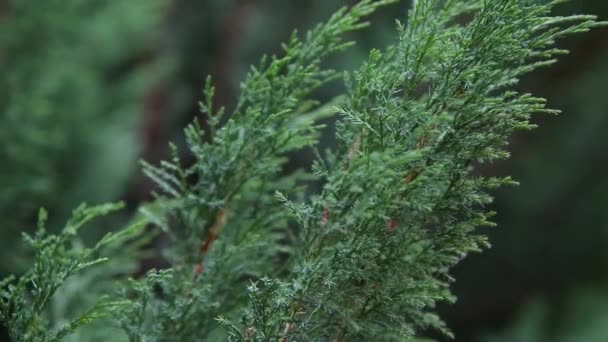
273	117
400	203
225	224
25	300
401	206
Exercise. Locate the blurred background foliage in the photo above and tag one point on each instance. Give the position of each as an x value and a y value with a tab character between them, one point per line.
91	86
73	74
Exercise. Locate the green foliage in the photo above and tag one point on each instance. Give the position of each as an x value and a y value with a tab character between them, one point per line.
253	258
400	203
229	189
64	103
24	301
548	244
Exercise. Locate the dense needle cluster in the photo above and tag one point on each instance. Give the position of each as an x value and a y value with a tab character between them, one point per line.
366	259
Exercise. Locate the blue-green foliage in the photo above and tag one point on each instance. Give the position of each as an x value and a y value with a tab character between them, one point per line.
225	222
367	259
26	302
400	205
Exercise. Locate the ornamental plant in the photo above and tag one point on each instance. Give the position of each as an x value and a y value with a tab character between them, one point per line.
252	254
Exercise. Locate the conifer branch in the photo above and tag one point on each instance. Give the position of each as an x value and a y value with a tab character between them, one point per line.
24	301
229	212
374	267
399	207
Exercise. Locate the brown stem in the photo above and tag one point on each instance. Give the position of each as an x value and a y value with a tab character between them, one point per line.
218	223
